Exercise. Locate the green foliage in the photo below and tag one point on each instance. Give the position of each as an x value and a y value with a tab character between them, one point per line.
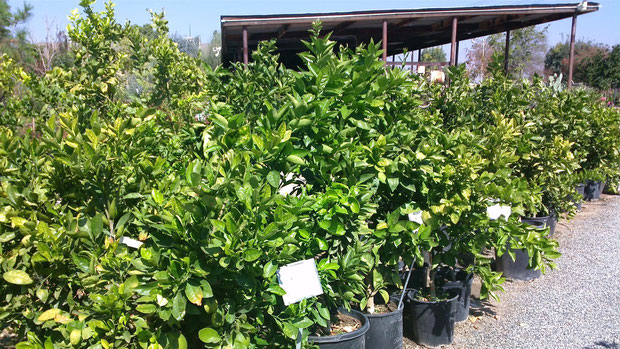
434	54
526	52
227	175
13	36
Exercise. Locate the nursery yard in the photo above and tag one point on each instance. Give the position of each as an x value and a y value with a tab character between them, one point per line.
574	306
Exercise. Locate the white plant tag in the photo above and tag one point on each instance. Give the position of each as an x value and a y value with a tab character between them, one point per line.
506	211
497	210
130	242
494	212
416	217
300	280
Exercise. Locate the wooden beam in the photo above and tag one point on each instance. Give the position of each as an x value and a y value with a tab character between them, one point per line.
385	39
245	45
571	54
453	41
507	52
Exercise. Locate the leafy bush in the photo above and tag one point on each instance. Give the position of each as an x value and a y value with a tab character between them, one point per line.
226	175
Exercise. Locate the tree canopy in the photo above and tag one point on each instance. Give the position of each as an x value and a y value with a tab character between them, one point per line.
526	52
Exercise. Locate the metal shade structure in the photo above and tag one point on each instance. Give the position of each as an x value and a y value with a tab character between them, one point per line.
399	30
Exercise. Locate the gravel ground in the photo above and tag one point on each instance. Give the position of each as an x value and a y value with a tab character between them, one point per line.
574	306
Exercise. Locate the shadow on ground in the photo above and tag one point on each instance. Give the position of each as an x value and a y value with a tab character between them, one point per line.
481	308
604	344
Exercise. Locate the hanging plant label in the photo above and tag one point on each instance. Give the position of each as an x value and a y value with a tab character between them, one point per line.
130	242
300	280
416	217
497	210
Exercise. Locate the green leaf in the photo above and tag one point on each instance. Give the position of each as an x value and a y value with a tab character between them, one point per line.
290	330
354	205
251	255
323	311
454	217
384	294
6	237
219	120
194	294
17	277
275	289
207	292
377	279
295	159
146	308
209	335
322	244
273	178
49	314
96	225
269	269
393	183
42	294
178	306
157	196
83	263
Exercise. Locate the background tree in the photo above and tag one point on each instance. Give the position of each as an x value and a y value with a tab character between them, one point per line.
189	45
527	52
13	37
211	52
556	59
434	54
478	58
602	70
54	51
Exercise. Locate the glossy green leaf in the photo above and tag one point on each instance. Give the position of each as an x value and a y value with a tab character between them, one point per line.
17	277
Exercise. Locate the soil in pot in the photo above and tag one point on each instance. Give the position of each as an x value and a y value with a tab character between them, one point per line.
460	281
347	332
386	326
430	323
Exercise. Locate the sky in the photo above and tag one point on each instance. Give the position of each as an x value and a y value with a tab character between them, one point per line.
202	17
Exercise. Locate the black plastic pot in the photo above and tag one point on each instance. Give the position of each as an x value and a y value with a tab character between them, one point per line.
542	222
386	330
461	285
430	323
601	188
593	190
580	189
517	269
351	340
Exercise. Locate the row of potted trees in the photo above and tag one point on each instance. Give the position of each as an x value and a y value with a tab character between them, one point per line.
393	186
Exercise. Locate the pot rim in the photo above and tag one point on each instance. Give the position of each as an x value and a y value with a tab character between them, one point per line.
391	313
343	337
453	299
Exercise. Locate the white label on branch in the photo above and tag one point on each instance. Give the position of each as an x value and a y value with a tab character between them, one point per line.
300	280
497	210
416	217
130	242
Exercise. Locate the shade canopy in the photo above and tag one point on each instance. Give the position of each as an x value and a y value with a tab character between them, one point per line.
409	29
